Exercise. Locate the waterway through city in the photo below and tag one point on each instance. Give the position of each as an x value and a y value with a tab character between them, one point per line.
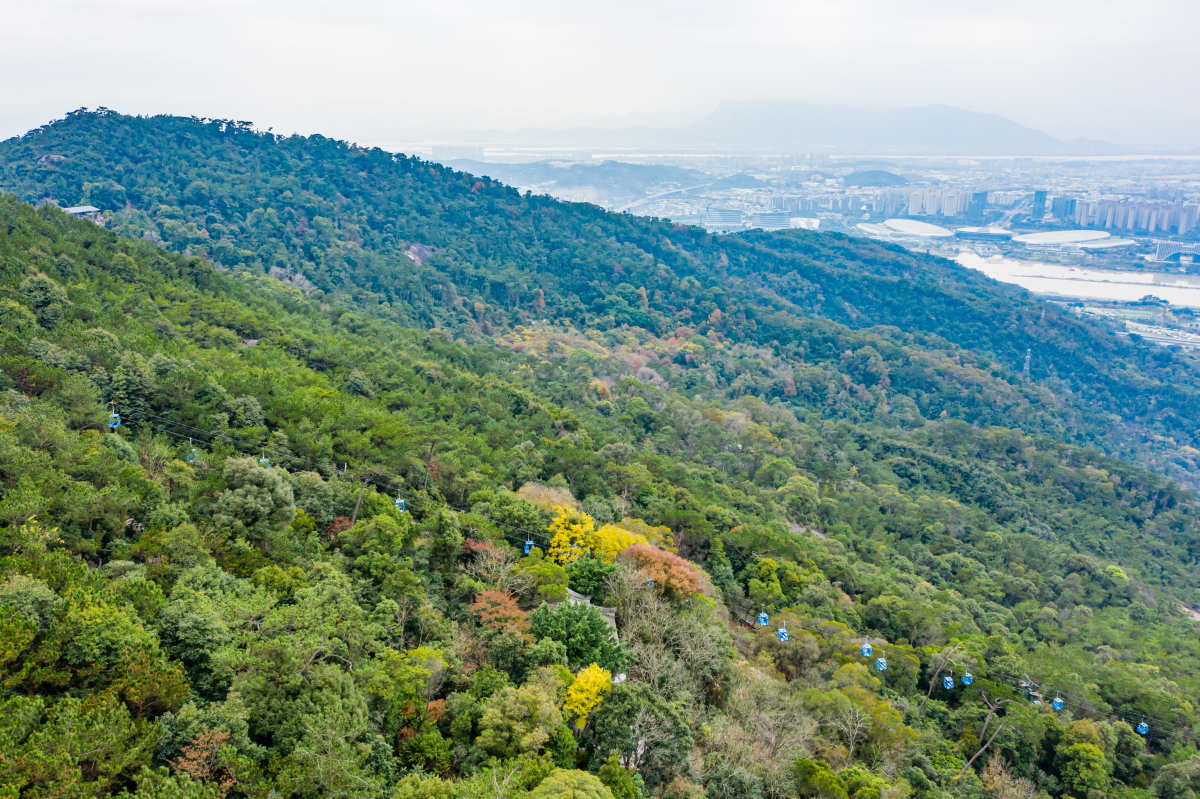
1087	284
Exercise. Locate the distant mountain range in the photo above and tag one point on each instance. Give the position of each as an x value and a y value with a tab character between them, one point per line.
806	127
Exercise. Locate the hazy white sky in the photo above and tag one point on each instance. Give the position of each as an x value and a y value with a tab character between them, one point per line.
376	71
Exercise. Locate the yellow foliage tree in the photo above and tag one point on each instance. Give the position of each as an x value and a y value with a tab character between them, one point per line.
660	537
570	535
611	540
586	693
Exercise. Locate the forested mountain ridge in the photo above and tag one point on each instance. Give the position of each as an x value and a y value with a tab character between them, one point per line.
263	538
220	596
425	246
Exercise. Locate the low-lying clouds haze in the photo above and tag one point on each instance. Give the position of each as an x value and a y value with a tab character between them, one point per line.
396	71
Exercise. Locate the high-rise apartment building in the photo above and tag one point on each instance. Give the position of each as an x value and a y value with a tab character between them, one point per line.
977	204
1004	198
1062	208
1150	216
887	204
1039	205
946	203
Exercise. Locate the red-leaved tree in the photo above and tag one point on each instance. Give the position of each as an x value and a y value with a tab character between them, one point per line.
674	577
498	610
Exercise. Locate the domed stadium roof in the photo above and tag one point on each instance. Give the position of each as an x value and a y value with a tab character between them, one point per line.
911	227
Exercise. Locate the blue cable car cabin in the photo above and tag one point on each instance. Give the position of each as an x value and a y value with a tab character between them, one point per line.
783	635
1057	704
528	546
1143	728
763	619
881	664
948	682
968	678
866	650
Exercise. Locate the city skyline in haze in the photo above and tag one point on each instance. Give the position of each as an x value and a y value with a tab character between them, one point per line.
379	72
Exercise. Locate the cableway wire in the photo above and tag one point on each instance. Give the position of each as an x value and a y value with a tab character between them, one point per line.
389	488
747	611
744	606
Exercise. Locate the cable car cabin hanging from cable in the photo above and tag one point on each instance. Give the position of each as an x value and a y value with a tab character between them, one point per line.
263	462
866	650
782	633
649	582
763	619
881	664
400	505
948	682
1057	704
1035	697
528	547
968	678
114	420
1143	728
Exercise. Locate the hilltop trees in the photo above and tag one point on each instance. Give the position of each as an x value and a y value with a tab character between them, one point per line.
858	329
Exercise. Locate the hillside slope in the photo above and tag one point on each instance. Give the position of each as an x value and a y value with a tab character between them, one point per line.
224	596
226	580
425	246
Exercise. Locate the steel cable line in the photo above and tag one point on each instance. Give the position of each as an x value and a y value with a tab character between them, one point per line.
746	608
284	456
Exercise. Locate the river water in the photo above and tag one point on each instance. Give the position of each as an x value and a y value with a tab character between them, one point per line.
1090	284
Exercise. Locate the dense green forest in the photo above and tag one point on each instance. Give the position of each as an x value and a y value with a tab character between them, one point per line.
405	240
315	520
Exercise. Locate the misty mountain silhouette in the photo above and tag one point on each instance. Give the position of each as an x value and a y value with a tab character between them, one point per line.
804	127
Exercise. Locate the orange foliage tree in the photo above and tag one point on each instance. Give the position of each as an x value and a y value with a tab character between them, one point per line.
201	760
673	576
497	611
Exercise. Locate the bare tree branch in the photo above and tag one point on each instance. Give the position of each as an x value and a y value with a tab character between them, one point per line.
983	748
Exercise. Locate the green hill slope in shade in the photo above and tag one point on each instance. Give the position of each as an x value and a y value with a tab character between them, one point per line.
181	608
421	245
874	177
